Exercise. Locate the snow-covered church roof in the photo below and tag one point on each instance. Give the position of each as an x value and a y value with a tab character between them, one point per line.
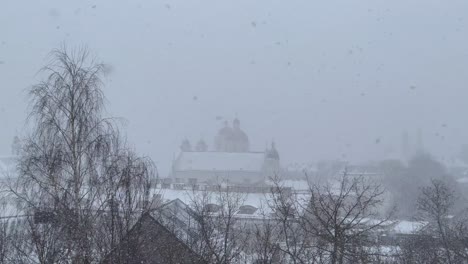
219	161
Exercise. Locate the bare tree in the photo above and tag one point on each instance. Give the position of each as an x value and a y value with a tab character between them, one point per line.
223	237
459	237
436	205
296	244
81	185
266	239
419	249
342	215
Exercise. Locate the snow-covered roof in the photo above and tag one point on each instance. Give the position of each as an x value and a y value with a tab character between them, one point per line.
257	200
260	201
409	227
301	167
220	161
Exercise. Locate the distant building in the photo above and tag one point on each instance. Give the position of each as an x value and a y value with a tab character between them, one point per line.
230	160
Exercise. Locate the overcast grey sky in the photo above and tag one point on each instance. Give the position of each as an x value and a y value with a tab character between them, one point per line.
322	78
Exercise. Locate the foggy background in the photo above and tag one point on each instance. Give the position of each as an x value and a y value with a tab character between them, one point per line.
324	79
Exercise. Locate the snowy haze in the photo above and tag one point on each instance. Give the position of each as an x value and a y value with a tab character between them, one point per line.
324	79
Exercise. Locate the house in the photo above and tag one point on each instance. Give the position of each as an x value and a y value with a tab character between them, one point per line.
149	242
180	220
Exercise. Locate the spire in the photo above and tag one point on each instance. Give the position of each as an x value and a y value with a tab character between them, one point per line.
201	146
186	146
236	123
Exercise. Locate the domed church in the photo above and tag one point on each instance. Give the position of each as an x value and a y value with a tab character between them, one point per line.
232	139
230	159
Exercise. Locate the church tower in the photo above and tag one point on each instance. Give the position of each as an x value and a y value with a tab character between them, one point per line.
186	146
271	165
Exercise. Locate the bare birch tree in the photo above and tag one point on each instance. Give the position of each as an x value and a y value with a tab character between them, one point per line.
79	182
342	217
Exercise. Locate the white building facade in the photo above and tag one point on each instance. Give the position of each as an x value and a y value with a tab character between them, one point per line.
230	160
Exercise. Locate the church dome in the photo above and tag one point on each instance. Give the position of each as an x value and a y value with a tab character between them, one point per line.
238	135
239	138
232	139
226	131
